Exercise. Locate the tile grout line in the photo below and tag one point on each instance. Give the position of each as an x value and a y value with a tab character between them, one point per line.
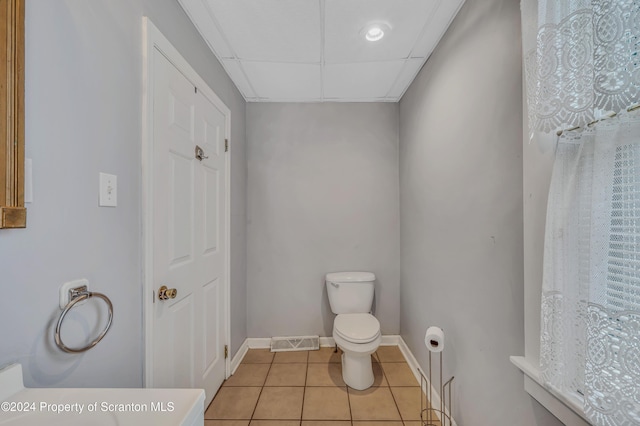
349	401
396	403
391	389
261	389
304	389
384	374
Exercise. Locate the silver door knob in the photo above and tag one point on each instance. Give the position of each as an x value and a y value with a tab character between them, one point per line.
200	153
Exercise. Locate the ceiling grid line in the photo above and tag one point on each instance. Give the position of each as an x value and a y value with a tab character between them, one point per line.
246	77
216	24
424	28
415	43
451	17
229	46
322	33
279	61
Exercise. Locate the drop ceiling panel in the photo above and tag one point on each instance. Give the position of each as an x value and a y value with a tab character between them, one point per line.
405	77
284	81
204	20
270	30
435	26
236	72
345	19
315	51
364	80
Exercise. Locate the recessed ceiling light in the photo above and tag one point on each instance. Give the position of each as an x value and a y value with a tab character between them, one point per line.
374	32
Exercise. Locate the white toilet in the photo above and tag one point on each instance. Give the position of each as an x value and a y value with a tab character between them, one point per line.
355	330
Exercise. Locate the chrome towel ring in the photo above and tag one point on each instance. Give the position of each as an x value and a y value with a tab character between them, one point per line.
78	295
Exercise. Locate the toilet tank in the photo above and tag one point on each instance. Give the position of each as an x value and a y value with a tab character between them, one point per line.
350	292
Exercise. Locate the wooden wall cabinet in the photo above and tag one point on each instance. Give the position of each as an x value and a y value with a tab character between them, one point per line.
12	211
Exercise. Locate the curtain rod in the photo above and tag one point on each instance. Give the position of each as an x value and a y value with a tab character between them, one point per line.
609	115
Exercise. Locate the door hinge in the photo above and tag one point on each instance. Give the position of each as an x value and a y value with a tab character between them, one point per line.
226	351
226	145
153	296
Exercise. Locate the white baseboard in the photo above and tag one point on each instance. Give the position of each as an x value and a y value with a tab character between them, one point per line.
238	357
327	342
259	342
415	368
391	340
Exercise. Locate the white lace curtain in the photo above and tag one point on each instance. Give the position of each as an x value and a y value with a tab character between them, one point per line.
590	333
582	57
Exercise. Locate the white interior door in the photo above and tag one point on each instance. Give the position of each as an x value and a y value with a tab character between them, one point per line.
189	246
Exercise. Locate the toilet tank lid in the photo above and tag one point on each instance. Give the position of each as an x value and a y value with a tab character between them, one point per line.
350	277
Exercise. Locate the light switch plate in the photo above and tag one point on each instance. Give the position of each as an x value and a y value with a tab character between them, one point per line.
108	190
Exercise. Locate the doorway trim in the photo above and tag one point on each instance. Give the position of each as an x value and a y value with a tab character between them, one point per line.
152	39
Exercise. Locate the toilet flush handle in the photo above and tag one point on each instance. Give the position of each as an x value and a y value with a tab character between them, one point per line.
336	285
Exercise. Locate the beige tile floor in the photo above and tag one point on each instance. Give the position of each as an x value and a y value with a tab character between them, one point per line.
306	389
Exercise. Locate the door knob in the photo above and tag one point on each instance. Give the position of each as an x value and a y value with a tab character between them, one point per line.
165	293
200	153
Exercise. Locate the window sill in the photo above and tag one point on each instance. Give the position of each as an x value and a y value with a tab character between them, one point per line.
565	408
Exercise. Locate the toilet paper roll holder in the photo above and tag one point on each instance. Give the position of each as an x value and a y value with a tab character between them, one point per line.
429	415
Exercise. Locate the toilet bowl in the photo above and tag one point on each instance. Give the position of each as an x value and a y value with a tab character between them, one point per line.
358	335
355	330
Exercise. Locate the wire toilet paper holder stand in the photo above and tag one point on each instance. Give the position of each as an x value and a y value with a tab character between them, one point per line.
431	416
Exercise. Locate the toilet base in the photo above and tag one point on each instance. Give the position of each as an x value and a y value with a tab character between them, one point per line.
357	371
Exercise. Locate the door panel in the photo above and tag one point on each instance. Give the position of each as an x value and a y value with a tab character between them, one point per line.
212	350
188	238
182	333
210	213
181	209
211	210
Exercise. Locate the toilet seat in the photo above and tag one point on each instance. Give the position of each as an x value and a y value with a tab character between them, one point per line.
357	328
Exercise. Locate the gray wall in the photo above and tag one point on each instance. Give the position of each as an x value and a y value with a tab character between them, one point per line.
83	116
461	213
322	196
